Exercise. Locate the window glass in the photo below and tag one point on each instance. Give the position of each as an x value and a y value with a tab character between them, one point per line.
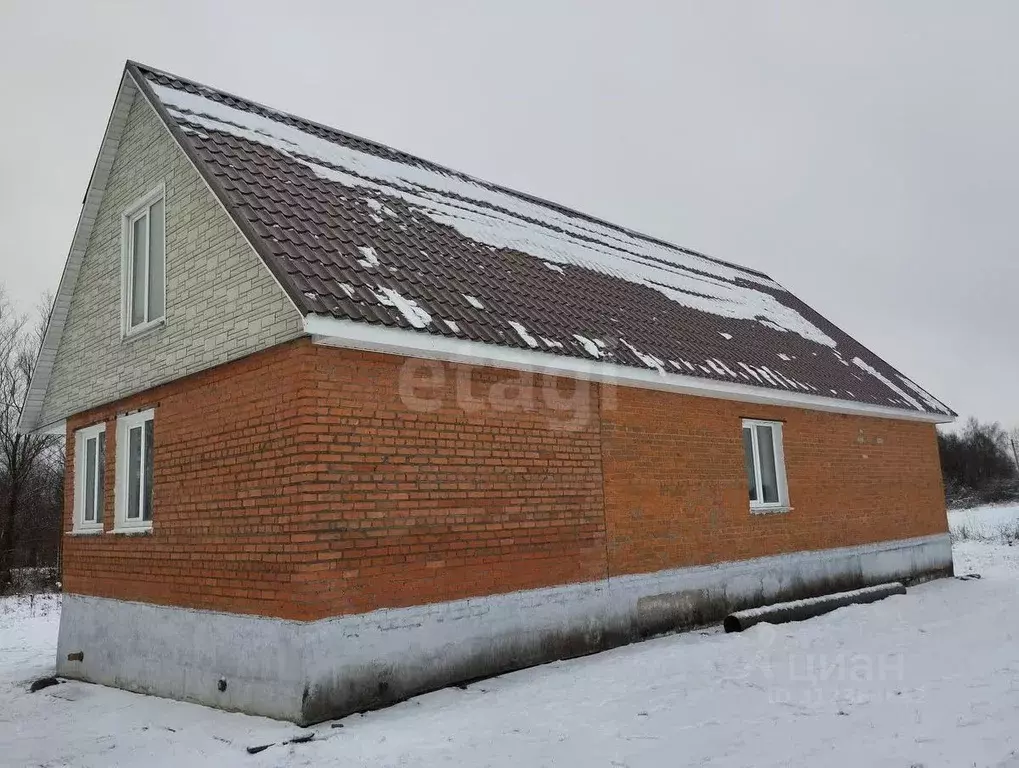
769	475
139	252
748	461
134	472
157	262
147	485
101	476
91	448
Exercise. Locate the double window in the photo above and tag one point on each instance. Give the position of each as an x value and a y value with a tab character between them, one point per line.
765	465
134	476
144	264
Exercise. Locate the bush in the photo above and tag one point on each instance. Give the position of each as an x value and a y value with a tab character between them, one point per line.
32	581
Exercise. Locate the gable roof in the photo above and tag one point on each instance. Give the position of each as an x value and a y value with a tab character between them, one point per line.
384	250
29	420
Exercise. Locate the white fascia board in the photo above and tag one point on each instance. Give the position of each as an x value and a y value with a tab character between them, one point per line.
171	130
30	414
336	332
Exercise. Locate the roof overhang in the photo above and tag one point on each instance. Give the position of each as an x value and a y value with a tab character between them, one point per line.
31	413
331	331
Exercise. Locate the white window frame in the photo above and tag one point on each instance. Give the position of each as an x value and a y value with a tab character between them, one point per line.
124	426
783	487
81	436
134	212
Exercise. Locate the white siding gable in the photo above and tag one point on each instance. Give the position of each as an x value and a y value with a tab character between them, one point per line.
222	303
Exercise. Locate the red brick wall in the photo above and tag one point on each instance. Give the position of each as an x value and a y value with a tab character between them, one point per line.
468	493
676	495
296	483
307	481
223	494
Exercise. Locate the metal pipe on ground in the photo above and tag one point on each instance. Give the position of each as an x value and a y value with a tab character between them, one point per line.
798	610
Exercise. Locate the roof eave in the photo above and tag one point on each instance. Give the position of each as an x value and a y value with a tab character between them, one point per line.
332	331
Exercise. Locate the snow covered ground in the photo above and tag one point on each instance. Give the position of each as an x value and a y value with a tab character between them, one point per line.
930	678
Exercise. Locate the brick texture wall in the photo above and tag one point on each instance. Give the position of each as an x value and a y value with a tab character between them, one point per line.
224	500
468	492
221	301
305	482
676	493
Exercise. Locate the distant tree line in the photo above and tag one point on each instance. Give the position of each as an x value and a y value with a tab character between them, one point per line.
31	466
980	464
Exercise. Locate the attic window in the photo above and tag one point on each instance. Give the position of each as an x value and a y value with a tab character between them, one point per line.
143	273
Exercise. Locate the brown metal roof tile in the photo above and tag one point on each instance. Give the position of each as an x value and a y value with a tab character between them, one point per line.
316	199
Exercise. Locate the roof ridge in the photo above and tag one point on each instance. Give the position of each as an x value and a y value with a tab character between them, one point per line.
446	169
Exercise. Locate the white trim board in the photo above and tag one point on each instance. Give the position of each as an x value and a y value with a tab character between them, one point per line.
331	331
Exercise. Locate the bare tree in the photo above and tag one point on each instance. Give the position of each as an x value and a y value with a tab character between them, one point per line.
24	472
978	464
1013	441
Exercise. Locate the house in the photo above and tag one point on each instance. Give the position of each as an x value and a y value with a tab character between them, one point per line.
344	425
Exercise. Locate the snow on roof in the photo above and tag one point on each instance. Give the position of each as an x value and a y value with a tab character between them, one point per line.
522	331
504	220
361	231
414	315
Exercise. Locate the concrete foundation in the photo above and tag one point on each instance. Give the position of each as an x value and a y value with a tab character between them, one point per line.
312	671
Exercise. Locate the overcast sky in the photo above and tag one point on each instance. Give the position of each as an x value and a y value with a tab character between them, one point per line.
863	154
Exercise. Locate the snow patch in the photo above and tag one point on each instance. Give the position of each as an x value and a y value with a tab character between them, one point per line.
932	402
649	360
529	340
589	346
716	367
473	301
750	370
766	371
378	208
371	259
887	382
411	312
725	368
